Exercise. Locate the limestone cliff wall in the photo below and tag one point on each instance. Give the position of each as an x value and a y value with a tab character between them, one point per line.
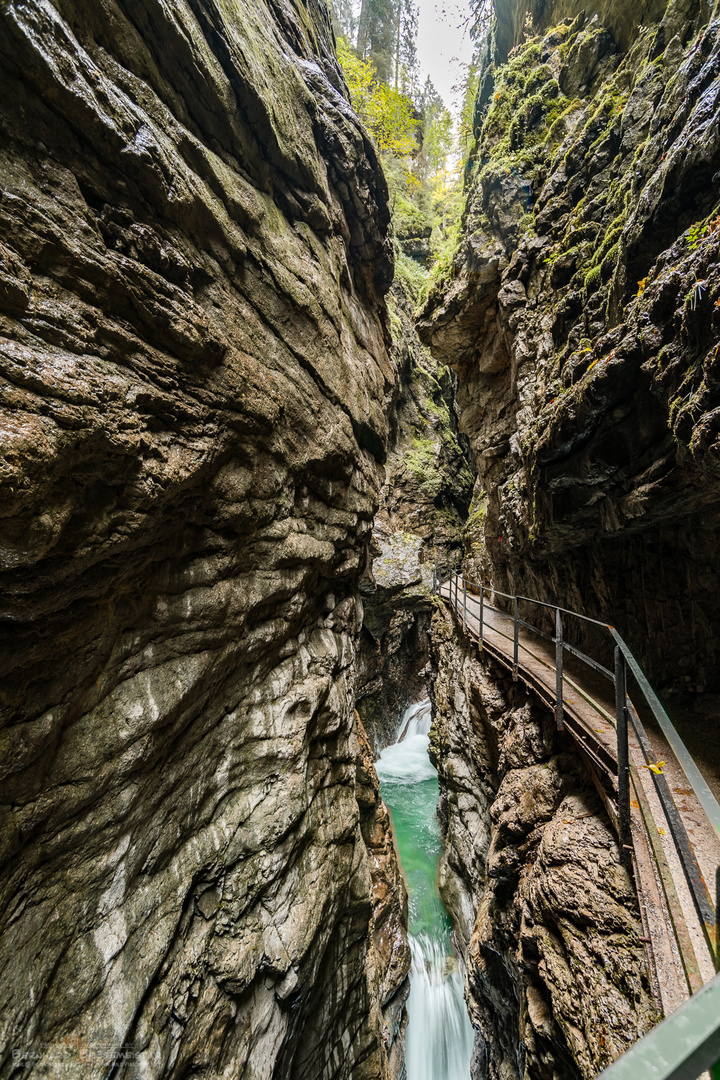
193	372
419	525
544	914
583	319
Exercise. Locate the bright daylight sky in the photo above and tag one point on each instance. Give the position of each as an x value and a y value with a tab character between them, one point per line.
442	45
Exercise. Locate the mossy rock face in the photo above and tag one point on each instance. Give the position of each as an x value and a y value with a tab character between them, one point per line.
580	317
554	18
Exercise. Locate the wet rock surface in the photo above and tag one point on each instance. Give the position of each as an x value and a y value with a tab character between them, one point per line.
543	911
582	321
192	383
390	952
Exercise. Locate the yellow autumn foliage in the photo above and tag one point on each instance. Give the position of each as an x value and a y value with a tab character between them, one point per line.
388	115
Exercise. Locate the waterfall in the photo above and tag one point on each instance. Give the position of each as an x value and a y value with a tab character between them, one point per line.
439	1038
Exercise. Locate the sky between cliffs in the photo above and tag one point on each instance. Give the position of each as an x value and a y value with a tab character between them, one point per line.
443	45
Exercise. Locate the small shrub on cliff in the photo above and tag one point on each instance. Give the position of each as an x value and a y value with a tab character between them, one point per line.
695	235
389	115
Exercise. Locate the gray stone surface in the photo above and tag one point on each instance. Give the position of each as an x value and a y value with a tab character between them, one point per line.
192	382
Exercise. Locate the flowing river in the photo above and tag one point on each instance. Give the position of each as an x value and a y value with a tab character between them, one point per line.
439	1037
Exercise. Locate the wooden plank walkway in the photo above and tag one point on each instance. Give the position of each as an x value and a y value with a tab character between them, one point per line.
679	958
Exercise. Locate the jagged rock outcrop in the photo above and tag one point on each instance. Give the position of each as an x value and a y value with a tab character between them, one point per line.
583	320
543	911
419	525
193	379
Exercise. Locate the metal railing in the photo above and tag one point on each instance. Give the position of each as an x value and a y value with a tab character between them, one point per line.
687	1043
682	1047
469	598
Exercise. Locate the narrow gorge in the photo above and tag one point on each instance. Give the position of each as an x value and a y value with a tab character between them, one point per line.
246	414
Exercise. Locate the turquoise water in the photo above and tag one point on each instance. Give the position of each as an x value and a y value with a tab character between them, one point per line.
439	1037
412	796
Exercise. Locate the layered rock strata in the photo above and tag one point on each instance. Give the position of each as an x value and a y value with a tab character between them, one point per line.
583	320
544	914
192	384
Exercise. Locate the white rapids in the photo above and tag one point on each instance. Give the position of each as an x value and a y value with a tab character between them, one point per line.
439	1040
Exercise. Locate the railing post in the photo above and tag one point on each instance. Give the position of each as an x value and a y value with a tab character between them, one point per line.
482	597
464	604
621	713
558	669
515	636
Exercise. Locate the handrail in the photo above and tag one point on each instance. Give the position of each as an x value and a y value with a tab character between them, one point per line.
624	712
684	1045
697	781
540	603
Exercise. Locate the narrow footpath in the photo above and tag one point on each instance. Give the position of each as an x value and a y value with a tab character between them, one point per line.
679	957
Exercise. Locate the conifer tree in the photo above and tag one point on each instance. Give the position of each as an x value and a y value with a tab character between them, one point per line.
376	35
406	28
344	19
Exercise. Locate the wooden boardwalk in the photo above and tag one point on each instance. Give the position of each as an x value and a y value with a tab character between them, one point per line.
680	959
